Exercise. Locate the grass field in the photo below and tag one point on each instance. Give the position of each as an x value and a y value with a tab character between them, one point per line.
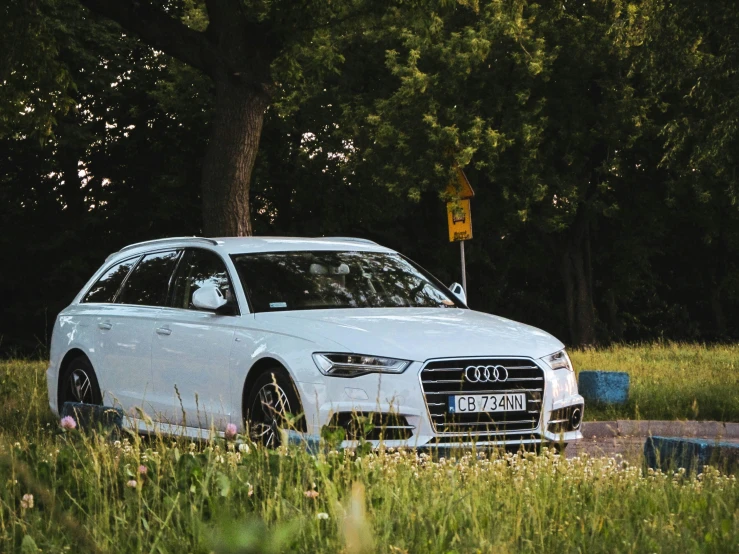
670	381
63	491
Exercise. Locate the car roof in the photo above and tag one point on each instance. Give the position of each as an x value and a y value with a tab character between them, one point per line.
246	245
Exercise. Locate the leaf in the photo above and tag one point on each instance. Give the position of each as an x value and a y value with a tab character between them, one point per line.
28	545
224	484
725	527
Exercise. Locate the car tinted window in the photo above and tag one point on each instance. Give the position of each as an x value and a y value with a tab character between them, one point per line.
198	268
328	280
148	283
105	288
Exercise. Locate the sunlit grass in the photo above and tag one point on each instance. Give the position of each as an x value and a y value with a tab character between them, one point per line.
217	497
670	381
91	493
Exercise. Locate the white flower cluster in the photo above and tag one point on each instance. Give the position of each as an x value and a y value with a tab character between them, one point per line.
522	469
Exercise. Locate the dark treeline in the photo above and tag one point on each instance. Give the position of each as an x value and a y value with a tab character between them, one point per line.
600	138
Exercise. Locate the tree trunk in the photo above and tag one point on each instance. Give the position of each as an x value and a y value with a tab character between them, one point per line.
569	286
578	284
236	51
718	278
614	323
229	160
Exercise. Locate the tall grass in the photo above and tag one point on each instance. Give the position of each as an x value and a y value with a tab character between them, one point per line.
131	494
670	381
195	500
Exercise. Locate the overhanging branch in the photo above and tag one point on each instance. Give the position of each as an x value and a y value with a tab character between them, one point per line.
160	31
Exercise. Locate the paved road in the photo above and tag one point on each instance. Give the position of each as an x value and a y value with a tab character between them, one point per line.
630	448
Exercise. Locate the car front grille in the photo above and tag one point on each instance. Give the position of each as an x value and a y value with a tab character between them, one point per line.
441	379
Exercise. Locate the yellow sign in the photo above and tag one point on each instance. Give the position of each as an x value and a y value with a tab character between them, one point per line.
463	189
459	215
459	218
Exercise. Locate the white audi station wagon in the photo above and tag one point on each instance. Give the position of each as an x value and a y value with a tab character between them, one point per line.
187	335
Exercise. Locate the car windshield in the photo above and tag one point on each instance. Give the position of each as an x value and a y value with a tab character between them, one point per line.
312	280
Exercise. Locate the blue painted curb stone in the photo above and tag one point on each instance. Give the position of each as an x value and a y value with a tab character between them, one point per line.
671	453
604	387
311	443
89	416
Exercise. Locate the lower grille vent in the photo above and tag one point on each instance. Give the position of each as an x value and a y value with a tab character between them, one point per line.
371	426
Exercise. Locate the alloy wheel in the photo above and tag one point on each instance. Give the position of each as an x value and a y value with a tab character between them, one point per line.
267	415
80	387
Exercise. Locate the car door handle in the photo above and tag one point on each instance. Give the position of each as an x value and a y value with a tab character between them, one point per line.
105	325
164	331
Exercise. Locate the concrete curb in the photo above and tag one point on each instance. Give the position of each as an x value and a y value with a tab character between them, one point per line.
629	428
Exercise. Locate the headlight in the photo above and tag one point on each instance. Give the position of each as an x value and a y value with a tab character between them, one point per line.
558	360
353	365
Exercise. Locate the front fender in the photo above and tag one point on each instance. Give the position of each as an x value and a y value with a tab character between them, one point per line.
293	353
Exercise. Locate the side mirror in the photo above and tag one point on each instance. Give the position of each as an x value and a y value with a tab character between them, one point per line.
458	291
208	297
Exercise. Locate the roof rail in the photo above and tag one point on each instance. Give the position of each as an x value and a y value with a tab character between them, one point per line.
350	239
164	241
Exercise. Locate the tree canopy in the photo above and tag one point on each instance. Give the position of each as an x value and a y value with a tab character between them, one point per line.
600	138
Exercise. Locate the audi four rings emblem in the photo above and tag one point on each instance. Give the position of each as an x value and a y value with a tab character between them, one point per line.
486	373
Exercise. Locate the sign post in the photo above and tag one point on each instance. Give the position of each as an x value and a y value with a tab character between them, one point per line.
464	269
459	217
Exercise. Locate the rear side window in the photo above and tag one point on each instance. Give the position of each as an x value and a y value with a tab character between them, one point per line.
199	268
148	283
105	288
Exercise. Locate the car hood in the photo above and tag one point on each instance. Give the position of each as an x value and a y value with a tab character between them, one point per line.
416	333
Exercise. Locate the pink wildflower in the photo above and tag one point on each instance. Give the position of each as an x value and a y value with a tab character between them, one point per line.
231	431
143	469
311	494
68	422
132	483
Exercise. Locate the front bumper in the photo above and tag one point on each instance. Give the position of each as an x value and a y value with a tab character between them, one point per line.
403	395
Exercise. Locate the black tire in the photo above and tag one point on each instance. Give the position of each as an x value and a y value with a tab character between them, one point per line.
79	384
271	398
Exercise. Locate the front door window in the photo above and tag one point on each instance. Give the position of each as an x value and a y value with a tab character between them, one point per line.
200	268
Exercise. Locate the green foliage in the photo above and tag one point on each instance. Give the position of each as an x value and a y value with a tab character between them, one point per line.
131	144
35	88
450	74
690	61
600	138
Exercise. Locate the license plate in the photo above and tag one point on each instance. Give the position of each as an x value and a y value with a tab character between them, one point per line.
481	403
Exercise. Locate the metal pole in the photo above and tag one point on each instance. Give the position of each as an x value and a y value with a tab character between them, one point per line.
464	271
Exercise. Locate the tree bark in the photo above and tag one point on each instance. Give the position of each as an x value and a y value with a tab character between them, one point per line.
614	323
569	289
161	31
229	160
578	285
718	278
